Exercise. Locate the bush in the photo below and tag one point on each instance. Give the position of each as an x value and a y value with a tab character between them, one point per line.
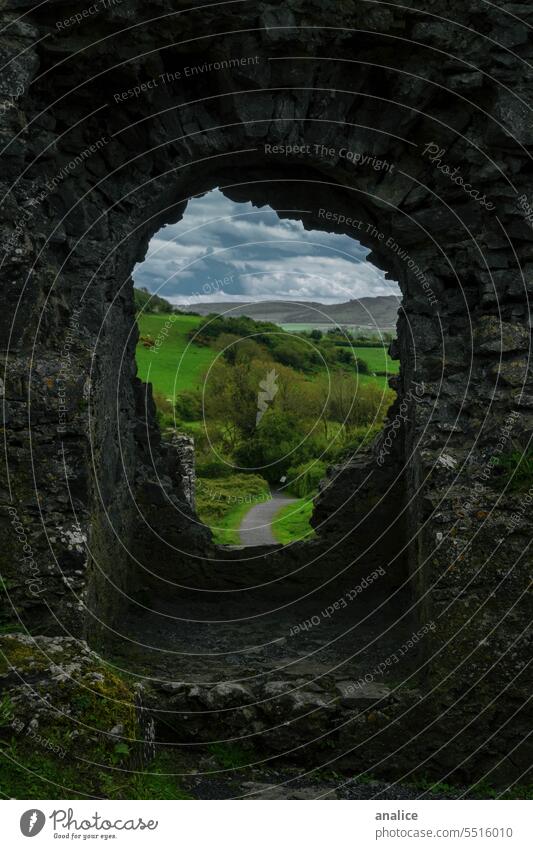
221	503
213	468
292	354
278	442
304	479
188	406
346	356
260	339
358	438
164	411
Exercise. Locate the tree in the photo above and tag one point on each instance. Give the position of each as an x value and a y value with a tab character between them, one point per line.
231	395
276	443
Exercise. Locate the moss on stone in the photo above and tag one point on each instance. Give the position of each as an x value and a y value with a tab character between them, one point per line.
71	722
14	653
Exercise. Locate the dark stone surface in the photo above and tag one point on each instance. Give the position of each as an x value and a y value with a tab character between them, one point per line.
87	179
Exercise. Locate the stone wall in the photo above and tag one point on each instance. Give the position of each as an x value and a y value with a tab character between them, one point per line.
95	160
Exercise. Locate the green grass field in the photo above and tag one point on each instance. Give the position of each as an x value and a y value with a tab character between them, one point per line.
291	523
175	364
364	379
377	359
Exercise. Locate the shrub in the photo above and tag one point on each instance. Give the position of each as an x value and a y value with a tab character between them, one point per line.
164	411
213	468
220	503
292	354
188	406
278	442
304	479
358	438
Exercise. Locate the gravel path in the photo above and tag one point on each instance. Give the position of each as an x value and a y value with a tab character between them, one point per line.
256	527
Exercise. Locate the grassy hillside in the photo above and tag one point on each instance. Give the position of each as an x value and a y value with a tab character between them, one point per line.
175	363
169	357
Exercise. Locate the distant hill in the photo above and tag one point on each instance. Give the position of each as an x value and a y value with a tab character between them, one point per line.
373	312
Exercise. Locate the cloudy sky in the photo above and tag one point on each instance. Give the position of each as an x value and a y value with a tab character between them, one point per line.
223	250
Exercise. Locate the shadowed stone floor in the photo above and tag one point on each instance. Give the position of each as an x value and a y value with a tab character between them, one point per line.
215	637
285	682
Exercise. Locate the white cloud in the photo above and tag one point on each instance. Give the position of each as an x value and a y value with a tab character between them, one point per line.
268	257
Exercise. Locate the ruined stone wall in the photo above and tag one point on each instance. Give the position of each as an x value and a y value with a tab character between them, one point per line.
106	133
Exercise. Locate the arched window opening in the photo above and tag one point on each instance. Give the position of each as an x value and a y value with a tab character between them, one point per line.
268	345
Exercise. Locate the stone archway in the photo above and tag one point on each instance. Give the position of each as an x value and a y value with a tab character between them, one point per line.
127	138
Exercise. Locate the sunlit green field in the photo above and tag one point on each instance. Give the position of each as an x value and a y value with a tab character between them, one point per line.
377	359
176	364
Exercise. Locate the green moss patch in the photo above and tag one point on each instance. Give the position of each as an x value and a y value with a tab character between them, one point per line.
69	725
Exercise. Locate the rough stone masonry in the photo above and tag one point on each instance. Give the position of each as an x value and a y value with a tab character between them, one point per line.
89	175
